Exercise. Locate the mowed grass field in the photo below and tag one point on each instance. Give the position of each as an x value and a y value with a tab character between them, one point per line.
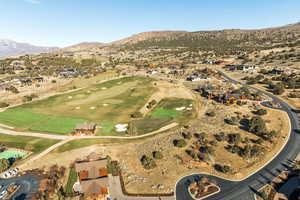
71	181
167	108
163	114
105	104
27	143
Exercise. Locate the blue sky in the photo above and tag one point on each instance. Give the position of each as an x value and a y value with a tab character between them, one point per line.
67	22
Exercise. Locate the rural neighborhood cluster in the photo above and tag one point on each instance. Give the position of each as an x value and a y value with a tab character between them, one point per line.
161	115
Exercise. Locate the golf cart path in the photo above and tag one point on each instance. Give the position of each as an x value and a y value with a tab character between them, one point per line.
40	155
45	152
65	137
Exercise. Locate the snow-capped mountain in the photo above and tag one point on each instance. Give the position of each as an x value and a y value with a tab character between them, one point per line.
12	48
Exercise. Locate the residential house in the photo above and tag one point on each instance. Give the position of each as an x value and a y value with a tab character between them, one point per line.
210	62
275	71
85	129
152	71
38	79
197	77
16	63
93	176
4	86
241	67
26	82
232	98
68	73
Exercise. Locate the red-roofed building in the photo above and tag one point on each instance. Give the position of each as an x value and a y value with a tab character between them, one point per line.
93	178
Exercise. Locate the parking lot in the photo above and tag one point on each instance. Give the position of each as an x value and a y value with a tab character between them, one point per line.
29	185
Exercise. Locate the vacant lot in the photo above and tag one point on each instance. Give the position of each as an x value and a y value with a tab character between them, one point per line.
170	168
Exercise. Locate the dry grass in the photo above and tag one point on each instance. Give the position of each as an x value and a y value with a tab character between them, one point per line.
170	168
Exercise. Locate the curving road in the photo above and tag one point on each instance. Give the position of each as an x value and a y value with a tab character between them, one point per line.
67	137
246	188
230	190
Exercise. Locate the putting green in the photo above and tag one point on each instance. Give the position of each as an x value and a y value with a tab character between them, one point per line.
164	112
105	104
12	154
166	108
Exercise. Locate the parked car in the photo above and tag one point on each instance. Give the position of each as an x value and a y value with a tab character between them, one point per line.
3	194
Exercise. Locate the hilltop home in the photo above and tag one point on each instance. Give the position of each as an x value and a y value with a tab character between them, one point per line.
68	73
16	63
93	178
221	95
38	79
152	71
241	67
4	86
275	71
197	77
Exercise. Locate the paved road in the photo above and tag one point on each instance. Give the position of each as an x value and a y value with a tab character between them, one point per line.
29	186
66	137
245	189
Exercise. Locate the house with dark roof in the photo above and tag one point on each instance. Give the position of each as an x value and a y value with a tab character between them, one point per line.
85	129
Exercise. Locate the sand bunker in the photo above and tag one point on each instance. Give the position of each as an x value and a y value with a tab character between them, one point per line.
77	108
180	108
93	108
70	97
121	127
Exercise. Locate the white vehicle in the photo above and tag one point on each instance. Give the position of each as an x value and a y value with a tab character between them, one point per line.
2	194
16	170
6	175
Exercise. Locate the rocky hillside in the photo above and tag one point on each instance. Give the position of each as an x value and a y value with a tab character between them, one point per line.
223	41
152	35
12	48
84	46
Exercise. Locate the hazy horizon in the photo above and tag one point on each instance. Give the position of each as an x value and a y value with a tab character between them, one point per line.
64	23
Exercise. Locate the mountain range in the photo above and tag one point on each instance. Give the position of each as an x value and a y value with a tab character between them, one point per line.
11	48
219	41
